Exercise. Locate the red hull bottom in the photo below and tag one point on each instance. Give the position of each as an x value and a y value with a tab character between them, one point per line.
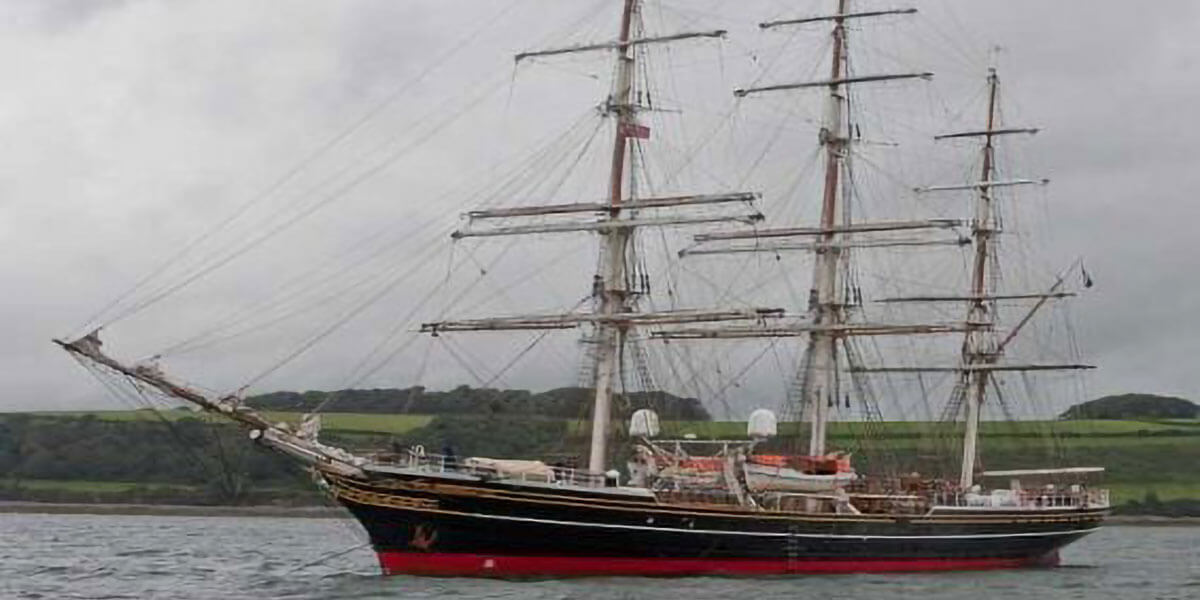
479	565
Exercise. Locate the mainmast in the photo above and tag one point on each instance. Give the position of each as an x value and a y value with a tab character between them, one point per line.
835	234
612	284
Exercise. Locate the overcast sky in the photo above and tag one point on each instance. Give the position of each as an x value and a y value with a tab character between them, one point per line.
130	127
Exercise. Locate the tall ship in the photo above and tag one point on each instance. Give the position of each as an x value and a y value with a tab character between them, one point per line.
756	504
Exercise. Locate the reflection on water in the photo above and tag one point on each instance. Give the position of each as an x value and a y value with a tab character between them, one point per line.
85	556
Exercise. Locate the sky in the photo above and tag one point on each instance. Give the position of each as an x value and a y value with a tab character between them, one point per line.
132	127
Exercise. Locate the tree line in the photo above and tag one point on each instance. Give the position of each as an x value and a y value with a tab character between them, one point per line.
561	403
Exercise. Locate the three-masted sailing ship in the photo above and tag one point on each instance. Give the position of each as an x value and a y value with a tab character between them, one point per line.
694	506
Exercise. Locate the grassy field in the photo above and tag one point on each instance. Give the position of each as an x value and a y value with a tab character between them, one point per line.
1121	493
737	429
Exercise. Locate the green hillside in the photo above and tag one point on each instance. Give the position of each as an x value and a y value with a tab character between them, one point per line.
177	457
347	422
1134	406
561	403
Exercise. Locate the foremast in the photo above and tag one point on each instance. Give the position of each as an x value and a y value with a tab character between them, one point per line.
611	287
820	379
616	311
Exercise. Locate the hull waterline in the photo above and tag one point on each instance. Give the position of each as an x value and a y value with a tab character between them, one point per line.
480	565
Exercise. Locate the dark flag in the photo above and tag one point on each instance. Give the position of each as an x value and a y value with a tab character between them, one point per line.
634	130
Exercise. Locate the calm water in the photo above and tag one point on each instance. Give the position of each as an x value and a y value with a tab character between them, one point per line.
77	556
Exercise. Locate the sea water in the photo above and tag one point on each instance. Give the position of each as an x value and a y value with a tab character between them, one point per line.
86	556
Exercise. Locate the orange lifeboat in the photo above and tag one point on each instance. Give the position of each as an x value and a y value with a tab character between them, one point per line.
703	463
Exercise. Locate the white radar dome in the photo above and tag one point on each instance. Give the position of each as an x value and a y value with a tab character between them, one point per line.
644	423
762	424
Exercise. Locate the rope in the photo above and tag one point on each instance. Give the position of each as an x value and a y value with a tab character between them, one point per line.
304	163
328	557
323	202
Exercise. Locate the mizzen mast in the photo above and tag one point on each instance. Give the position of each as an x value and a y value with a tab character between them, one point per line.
979	346
982	348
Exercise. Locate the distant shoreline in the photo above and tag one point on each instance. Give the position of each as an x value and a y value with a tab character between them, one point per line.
1151	520
174	510
330	512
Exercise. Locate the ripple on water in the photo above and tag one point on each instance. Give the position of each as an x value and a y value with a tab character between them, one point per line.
76	556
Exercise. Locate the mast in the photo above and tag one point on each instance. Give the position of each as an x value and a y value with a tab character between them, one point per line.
836	235
612	284
982	347
615	219
820	378
978	345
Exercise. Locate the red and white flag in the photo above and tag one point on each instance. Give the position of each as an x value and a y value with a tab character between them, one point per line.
634	130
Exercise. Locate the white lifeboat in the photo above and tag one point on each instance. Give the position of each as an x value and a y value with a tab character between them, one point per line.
776	474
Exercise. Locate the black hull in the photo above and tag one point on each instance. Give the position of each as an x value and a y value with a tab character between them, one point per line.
424	525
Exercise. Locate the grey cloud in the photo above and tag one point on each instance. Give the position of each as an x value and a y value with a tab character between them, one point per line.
143	123
58	16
